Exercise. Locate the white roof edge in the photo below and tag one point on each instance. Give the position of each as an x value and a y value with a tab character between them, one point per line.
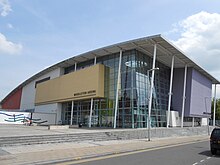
198	67
55	66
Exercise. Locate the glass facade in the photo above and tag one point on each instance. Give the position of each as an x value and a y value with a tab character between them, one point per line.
133	93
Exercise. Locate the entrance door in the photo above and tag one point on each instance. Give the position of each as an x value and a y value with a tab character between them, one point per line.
66	113
77	113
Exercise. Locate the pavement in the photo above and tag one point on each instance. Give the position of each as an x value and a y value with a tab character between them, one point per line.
63	152
10	130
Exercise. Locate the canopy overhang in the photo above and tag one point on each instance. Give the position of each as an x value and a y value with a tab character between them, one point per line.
165	51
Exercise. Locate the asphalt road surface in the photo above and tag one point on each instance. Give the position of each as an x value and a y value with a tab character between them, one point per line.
188	154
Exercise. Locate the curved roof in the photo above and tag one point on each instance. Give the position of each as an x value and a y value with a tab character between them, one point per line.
165	51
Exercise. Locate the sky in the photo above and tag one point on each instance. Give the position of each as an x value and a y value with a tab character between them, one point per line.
35	34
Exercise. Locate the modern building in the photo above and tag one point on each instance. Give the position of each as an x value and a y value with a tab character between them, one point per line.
120	86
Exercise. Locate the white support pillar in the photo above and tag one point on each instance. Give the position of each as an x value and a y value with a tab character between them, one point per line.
170	92
91	105
184	95
151	91
193	121
95	60
75	66
90	115
214	106
71	119
208	125
117	89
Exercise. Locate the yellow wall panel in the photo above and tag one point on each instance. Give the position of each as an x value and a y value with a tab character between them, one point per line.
82	84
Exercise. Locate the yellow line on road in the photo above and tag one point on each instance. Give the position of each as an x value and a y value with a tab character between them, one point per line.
118	154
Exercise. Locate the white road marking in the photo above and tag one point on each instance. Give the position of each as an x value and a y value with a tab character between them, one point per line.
202	160
71	162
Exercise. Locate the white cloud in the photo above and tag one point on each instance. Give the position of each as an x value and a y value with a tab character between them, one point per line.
10	26
200	39
8	47
5	8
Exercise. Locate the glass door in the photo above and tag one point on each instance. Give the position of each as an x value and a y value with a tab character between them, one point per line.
66	113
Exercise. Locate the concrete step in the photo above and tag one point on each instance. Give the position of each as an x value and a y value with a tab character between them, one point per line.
101	136
61	138
16	140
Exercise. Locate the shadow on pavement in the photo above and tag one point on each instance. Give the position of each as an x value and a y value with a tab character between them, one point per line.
208	153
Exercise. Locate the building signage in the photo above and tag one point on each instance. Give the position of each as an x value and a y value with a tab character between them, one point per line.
81	94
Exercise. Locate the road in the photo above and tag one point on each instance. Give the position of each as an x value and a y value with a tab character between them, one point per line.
196	153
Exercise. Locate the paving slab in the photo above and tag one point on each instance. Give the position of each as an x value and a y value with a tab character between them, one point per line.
11	130
57	153
3	152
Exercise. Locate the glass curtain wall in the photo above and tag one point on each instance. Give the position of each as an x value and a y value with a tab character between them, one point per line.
133	94
141	89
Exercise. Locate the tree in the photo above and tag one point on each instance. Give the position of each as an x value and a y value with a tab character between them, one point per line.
217	113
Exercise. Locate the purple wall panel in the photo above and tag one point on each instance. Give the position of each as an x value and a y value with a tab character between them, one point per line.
178	90
201	94
188	92
198	93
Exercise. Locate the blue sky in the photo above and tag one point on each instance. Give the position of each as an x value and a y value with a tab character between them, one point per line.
35	34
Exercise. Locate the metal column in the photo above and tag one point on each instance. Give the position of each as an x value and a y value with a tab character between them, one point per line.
71	119
91	105
148	97
95	60
193	122
214	106
118	81
77	114
90	115
170	92
151	91
132	95
184	96
75	66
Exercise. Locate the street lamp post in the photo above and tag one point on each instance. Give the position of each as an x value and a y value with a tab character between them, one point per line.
214	106
207	113
150	97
